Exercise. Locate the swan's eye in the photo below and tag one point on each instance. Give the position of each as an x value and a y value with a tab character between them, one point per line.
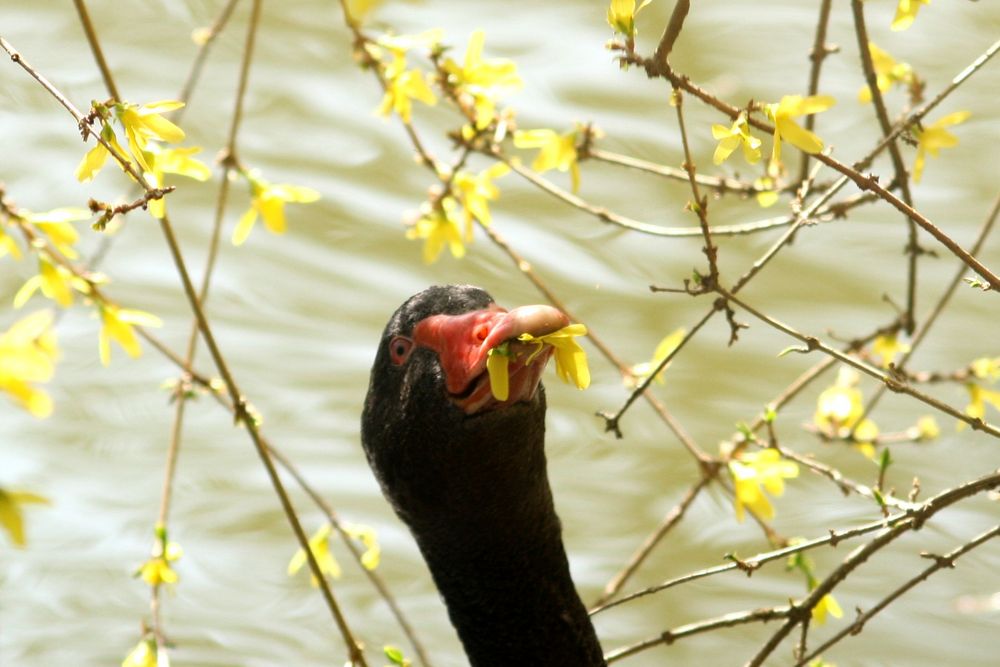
399	349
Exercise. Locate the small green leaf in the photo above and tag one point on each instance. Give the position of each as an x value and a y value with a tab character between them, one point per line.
976	282
395	655
885	461
748	434
770	414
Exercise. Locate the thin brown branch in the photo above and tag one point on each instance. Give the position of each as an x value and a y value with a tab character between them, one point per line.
720	184
700	204
902	177
95	47
817	56
671	519
671	32
730	620
187	90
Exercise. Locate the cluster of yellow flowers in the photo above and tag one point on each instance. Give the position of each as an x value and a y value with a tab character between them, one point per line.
930	139
476	85
144	128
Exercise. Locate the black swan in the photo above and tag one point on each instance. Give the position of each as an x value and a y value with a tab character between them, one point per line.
466	472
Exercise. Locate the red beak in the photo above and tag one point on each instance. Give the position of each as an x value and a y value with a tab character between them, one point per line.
462	343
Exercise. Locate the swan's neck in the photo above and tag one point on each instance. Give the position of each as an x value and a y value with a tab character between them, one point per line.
493	542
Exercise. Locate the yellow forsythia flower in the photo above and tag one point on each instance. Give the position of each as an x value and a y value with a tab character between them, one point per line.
157	570
143	123
755	472
143	655
887	73
98	155
826	605
887	346
10	512
497	363
180	161
571	359
767	195
932	138
926	429
117	325
319	545
474	193
28	352
54	280
986	368
268	201
359	10
792	106
403	86
906	12
663	349
730	138
8	245
978	398
438	227
621	15
55	224
556	151
482	80
369	539
839	409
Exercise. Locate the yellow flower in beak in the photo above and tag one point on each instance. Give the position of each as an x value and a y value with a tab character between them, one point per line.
571	359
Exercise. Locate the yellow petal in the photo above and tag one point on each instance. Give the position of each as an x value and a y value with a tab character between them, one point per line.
161	106
244	226
27	290
496	365
799	136
139	317
952	119
295	193
91	163
815	104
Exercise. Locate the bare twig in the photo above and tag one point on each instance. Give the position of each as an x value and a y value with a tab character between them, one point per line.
671	519
95	47
817	56
902	178
671	32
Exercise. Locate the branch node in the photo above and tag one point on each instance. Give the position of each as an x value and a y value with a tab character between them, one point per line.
940	561
611	423
747	566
